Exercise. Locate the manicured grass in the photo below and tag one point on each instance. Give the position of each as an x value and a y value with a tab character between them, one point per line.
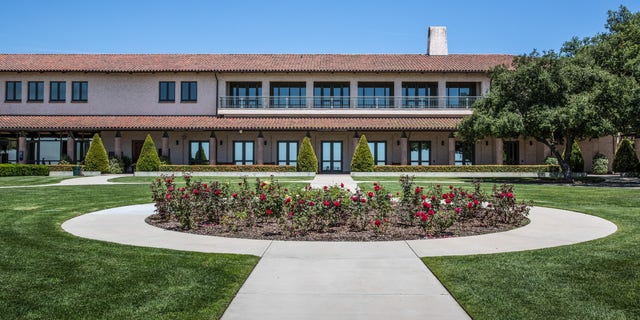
599	279
179	179
46	273
29	180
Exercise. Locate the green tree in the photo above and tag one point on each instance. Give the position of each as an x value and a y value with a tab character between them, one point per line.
362	160
577	160
626	159
307	160
148	160
553	98
96	158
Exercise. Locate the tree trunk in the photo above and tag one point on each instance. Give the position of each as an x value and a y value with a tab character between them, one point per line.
565	163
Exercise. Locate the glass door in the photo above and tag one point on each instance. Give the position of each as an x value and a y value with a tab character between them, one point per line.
331	156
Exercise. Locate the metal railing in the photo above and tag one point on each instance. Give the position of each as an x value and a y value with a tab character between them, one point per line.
344	102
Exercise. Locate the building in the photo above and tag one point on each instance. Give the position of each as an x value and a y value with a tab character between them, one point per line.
254	108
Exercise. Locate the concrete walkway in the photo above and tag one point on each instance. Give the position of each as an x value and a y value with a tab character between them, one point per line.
322	180
342	280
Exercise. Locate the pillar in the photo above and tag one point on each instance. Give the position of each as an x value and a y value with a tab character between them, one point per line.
22	149
213	149
117	144
397	93
499	152
260	149
265	94
165	144
404	150
71	148
309	101
452	150
442	93
353	93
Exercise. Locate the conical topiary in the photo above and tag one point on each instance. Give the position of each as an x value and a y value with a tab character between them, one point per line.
96	158
307	160
626	159
362	160
148	160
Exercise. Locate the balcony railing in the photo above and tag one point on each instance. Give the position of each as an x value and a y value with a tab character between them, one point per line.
343	102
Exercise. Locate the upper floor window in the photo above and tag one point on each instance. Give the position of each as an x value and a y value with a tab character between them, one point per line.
13	91
461	94
419	94
331	94
36	91
57	91
80	91
167	91
288	94
375	94
189	91
244	94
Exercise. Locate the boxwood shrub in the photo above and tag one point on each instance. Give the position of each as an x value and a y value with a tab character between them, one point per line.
7	170
61	167
474	168
226	168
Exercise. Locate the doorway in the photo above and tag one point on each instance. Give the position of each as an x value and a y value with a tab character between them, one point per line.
136	148
331	157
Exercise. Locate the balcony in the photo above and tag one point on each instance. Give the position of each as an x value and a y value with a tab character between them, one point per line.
403	103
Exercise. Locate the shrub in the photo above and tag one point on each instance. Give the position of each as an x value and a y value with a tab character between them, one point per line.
552	161
474	168
148	160
8	170
626	159
362	160
115	166
577	160
307	160
600	164
96	158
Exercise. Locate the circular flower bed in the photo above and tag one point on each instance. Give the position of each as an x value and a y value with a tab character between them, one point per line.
267	210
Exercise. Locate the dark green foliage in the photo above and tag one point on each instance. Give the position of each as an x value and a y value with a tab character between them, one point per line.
8	170
577	160
96	158
600	164
551	161
148	160
307	160
626	159
362	160
474	168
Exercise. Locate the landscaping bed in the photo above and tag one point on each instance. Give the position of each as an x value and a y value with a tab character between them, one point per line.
267	210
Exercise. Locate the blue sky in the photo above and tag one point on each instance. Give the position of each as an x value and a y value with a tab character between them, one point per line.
326	26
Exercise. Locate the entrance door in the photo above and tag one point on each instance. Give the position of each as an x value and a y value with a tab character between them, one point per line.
511	152
136	148
331	156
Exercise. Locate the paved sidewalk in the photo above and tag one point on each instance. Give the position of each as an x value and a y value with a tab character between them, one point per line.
348	280
92	180
322	180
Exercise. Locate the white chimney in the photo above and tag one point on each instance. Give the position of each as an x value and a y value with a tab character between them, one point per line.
437	41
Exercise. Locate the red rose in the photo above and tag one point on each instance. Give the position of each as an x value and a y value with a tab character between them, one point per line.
170	189
311	204
287	200
424	217
420	213
431	212
462	193
183	189
341	185
326	203
370	194
354	198
426	205
168	196
336	203
450	187
235	195
378	222
489	205
510	195
470	205
363	200
168	180
204	185
186	196
418	190
452	195
196	191
447	201
433	198
217	192
476	202
423	197
445	196
263	197
376	188
458	209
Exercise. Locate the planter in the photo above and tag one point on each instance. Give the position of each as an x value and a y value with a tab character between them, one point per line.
224	174
61	173
91	173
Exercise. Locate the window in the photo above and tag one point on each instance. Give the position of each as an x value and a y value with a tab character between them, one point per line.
288	94
198	152
511	153
420	153
36	91
243	152
13	91
419	94
461	94
167	91
287	153
375	94
331	94
331	156
79	91
379	152
244	95
57	91
189	91
464	154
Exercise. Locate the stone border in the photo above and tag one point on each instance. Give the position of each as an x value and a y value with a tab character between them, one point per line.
224	174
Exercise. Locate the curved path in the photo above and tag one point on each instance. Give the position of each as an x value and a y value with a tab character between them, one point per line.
342	280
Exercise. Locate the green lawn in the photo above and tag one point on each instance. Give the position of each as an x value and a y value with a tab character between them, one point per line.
599	279
29	180
46	273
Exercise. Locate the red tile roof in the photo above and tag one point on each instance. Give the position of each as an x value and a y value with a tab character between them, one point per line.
64	123
250	62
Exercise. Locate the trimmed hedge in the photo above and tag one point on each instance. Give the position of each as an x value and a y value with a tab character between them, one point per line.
473	168
62	167
226	168
8	170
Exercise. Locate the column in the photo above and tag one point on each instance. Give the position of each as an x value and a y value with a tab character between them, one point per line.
442	93
260	149
452	150
397	92
213	149
265	94
71	147
353	93
22	148
165	144
117	145
499	151
309	97
404	150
